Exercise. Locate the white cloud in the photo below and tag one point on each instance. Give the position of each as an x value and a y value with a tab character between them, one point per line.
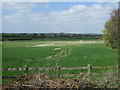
79	13
46	6
37	17
17	6
24	15
78	18
14	18
24	11
59	0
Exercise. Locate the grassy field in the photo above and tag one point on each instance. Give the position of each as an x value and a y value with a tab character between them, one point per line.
56	53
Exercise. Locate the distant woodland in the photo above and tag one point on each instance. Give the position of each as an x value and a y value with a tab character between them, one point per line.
47	36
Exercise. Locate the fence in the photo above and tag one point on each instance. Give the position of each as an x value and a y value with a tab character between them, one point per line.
26	69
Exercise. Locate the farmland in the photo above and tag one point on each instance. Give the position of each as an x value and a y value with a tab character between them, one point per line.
77	53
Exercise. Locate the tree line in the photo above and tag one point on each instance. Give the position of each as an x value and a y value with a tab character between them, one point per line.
111	32
31	36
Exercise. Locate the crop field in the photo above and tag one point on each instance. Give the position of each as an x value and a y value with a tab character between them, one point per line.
79	53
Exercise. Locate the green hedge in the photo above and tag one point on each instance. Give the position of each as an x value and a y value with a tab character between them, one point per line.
15	39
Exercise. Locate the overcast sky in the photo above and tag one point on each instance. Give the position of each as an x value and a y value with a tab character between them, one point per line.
55	17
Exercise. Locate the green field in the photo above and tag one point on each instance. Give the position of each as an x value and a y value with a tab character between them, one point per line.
16	54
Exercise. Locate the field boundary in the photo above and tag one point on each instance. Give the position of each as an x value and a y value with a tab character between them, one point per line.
59	68
26	69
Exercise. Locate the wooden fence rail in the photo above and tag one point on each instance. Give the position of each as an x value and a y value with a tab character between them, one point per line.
60	68
67	75
25	69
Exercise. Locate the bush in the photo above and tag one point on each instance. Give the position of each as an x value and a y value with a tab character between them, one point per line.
111	31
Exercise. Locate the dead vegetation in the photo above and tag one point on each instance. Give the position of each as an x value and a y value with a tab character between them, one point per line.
43	81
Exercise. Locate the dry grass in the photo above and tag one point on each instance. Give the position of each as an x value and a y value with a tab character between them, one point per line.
43	81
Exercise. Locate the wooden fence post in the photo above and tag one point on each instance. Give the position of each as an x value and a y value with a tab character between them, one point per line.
89	72
26	70
57	72
81	75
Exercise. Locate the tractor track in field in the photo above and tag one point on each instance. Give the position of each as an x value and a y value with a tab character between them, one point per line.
61	54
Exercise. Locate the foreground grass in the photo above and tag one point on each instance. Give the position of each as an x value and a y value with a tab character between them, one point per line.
16	54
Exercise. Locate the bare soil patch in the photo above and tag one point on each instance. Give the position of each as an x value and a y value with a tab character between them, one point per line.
57	48
84	42
41	45
61	43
